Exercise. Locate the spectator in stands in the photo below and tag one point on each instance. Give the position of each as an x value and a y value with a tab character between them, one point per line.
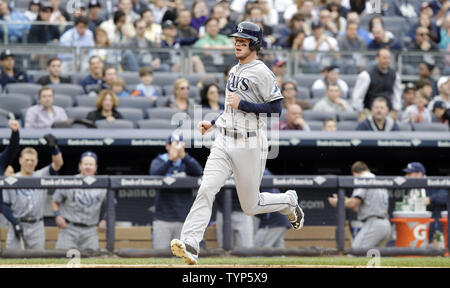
109	75
143	56
145	88
33	10
440	9
79	219
269	14
380	80
24	208
10	74
115	28
351	41
295	42
172	205
119	87
59	14
106	105
42	115
331	76
172	41
210	97
407	9
255	15
185	31
44	33
307	7
126	6
332	26
329	124
382	40
422	41
444	92
241	224
425	73
54	74
279	68
213	39
424	86
199	14
294	120
180	98
153	30
353	17
79	36
289	92
409	93
378	120
445	33
95	19
418	112
15	31
332	102
296	23
226	25
378	21
95	76
81	11
159	8
441	112
317	42
101	46
435	199
425	20
371	206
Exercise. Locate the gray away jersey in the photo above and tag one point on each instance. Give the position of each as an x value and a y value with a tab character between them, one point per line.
27	203
253	82
374	201
80	205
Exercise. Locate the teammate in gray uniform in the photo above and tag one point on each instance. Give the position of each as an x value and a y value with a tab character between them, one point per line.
240	147
24	208
78	212
371	206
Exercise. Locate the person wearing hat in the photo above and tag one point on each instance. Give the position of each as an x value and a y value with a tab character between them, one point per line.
172	205
94	10
33	10
409	93
443	85
10	74
318	41
44	33
80	212
435	199
15	31
24	208
331	76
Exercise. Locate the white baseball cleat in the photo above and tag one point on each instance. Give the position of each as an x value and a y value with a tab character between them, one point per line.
297	217
185	251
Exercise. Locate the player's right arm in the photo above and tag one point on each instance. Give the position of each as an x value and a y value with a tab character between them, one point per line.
205	126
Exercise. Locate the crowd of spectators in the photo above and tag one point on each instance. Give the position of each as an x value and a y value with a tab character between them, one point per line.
307	27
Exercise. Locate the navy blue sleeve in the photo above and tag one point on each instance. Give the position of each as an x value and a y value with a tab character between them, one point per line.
267	108
10	153
7	212
159	167
193	168
438	196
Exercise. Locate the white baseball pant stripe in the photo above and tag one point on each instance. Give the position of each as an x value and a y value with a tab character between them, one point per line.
246	159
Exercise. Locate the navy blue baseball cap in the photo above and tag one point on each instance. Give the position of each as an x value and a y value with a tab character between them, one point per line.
438	104
177	137
414	167
89	154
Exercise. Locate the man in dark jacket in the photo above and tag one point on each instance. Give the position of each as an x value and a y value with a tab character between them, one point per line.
378	120
172	205
10	74
54	74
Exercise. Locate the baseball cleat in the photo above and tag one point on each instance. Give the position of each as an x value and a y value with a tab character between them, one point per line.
297	217
185	251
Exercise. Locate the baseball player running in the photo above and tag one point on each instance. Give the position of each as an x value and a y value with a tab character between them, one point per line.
24	208
78	212
240	147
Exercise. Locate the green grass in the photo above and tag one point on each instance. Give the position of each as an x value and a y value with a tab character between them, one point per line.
338	261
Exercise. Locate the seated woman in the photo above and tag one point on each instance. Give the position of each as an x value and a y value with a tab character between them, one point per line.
210	97
180	99
106	104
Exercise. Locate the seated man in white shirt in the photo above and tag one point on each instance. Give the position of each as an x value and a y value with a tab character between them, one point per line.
43	115
332	102
318	41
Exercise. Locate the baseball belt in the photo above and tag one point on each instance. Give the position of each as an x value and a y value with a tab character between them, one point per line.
378	217
76	224
30	220
236	134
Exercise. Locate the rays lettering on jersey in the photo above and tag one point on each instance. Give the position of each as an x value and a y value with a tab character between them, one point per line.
25	192
236	82
84	198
